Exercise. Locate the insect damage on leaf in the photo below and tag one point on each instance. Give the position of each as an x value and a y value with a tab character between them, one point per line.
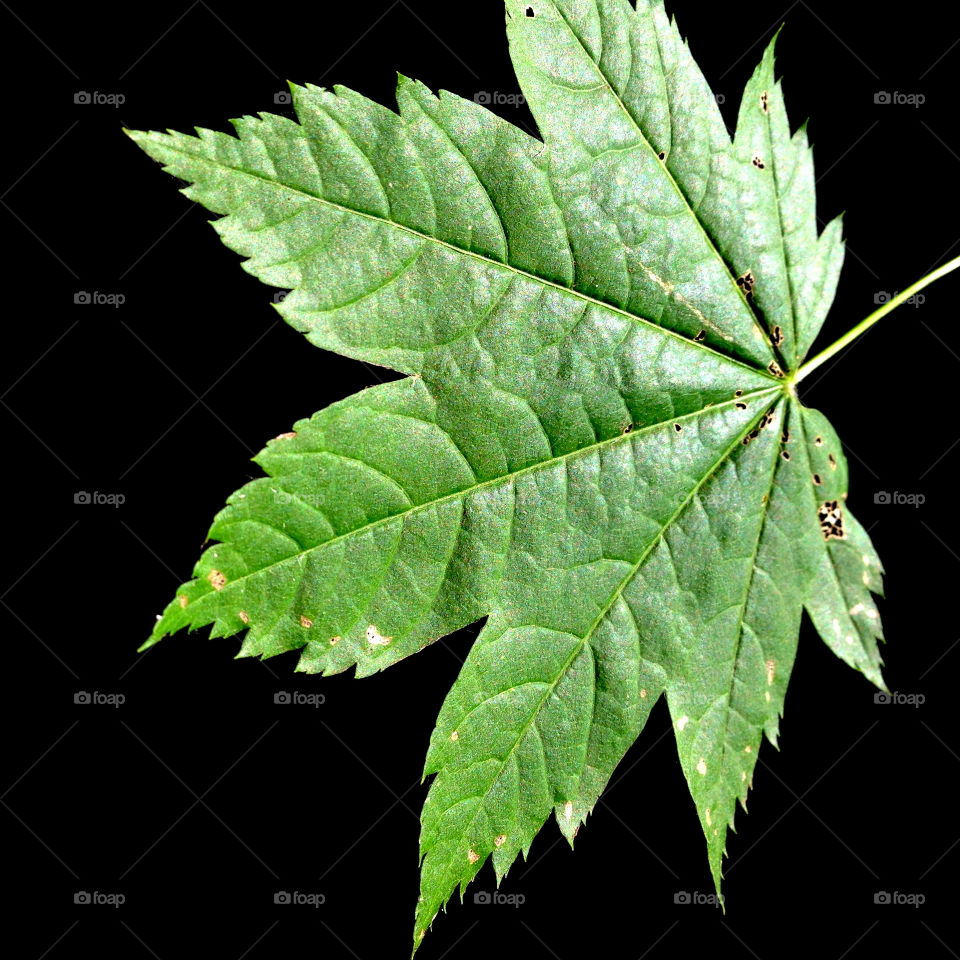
596	444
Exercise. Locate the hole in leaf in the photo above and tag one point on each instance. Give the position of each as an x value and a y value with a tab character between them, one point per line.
764	101
833	461
817	480
677	427
700	336
746	283
774	368
759	164
830	515
740	405
530	12
777	336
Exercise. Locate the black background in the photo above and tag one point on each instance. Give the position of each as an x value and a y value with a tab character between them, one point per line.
199	798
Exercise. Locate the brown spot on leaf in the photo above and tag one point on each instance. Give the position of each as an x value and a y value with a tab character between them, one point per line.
774	368
500	841
286	436
473	856
217	580
182	600
830	515
244	616
306	623
746	283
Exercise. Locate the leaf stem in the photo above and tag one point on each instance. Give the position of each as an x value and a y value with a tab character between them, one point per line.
866	324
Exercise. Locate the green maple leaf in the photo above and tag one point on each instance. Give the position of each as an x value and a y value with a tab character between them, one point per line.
597	445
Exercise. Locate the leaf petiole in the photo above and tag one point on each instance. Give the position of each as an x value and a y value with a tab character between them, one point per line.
878	314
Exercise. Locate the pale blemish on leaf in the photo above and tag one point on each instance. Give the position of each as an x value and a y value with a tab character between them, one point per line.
702	767
217	579
376	638
306	623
